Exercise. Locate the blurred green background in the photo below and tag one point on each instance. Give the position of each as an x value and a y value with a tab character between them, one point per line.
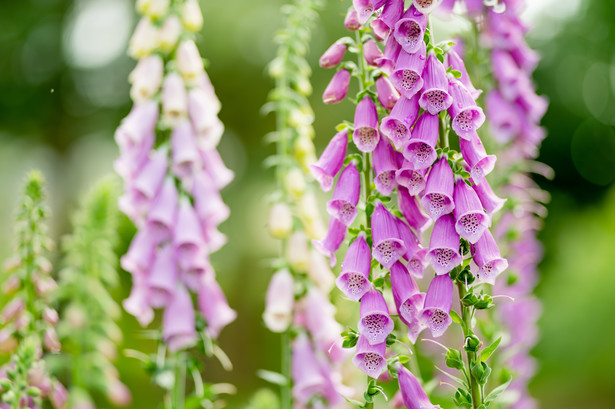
63	90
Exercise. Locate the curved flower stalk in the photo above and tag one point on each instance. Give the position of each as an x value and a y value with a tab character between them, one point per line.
297	301
29	320
173	175
412	176
88	331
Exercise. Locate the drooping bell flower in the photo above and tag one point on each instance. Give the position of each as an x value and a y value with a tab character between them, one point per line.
188	236
334	55
371	52
331	161
137	304
438	303
410	29
351	21
332	241
365	8
207	126
406	293
466	116
471	220
435	97
488	259
366	135
140	254
443	252
385	165
407	73
174	98
454	61
426	6
162	281
208	203
337	89
185	156
412	392
189	61
161	217
353	281
213	164
308	380
319	319
396	126
178	329
413	180
388	246
412	212
279	301
491	203
504	117
297	251
391	13
411	241
374	323
135	135
476	157
438	194
146	78
214	307
418	263
319	272
507	74
392	49
343	205
387	94
420	150
370	359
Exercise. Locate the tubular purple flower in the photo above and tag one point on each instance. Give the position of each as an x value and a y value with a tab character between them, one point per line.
438	302
408	299
396	126
507	74
411	391
145	186
410	29
334	55
385	165
351	21
467	116
207	126
412	212
438	194
331	161
188	236
407	73
435	97
220	175
214	307
412	180
12	310
476	157
307	377
137	303
140	253
443	252
370	359
365	8
186	159
426	6
487	257
392	49
471	220
387	94
208	203
454	61
332	241
420	150
366	135
178	329
533	105
138	127
371	52
279	301
411	241
319	317
391	13
491	203
337	89
343	205
374	323
161	217
353	281
388	246
162	281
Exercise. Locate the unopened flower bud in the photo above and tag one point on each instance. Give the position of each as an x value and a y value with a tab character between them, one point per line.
144	40
189	62
7	342
12	310
294	182
276	68
58	396
50	339
319	270
297	251
75	316
192	16
21	322
157	8
280	220
169	33
11	285
351	22
44	285
146	78
107	349
118	393
11	264
279	302
174	98
50	316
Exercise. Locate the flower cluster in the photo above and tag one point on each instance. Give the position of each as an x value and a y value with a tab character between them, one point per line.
422	93
173	175
28	319
297	301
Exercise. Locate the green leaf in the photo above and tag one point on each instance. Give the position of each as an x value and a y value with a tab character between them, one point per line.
493	395
487	351
455	317
272	377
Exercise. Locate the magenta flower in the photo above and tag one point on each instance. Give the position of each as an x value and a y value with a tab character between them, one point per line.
353	281
343	205
333	240
331	161
488	259
408	298
438	303
366	135
426	6
214	307
162	216
505	118
392	49
420	150
162	281
435	97
188	236
178	321
387	94
374	323
333	55
391	13
307	377
372	52
213	165
351	21
467	116
454	61
337	89
388	246
444	246
370	358
413	180
385	165
476	157
412	212
471	220
186	158
412	393
396	126
438	194
411	241
407	73
410	29
365	8
491	203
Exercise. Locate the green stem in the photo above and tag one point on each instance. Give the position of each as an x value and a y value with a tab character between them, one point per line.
179	390
286	371
466	316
